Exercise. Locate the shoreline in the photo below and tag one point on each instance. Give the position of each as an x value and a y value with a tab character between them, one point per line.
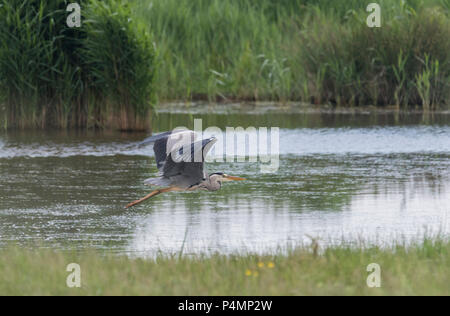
264	107
254	108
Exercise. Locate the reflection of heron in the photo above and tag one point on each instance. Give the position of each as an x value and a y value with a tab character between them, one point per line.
180	160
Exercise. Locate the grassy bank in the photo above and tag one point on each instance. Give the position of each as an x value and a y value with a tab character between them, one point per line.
52	75
312	51
422	269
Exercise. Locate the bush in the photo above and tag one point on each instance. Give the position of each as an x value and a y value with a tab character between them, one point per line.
99	75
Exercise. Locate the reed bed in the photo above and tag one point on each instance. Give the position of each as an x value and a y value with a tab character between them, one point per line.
51	75
103	75
317	52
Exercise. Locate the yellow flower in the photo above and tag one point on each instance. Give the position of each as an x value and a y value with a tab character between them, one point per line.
271	265
248	272
260	264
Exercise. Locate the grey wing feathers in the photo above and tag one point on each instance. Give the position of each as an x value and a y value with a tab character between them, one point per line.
167	142
159	147
179	158
188	170
154	138
195	152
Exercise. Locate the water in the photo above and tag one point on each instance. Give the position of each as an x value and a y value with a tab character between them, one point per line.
379	177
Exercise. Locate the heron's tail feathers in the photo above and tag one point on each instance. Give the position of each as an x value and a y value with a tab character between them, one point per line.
159	182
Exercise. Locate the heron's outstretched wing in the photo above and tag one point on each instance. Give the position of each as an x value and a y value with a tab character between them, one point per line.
165	143
188	168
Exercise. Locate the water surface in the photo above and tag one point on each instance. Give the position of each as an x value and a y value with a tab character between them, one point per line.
380	177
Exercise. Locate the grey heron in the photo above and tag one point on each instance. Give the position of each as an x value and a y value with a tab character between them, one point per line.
180	160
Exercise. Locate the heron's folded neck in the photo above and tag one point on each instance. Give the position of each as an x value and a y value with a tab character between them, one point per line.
213	183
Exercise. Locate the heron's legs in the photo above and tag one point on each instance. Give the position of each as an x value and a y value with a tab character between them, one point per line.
154	193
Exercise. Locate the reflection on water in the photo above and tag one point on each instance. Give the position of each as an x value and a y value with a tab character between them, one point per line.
376	182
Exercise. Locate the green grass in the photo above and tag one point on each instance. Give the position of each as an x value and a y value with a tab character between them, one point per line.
312	51
421	269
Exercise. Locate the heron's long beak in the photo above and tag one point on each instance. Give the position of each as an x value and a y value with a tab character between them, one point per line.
231	178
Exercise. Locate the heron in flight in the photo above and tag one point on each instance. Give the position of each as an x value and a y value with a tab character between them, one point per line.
180	159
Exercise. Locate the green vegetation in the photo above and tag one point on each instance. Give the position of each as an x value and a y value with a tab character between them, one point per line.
422	269
52	75
312	51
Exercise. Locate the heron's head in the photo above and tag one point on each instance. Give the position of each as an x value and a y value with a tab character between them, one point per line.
222	177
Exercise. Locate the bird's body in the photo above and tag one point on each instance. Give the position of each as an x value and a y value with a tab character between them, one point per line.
211	183
180	160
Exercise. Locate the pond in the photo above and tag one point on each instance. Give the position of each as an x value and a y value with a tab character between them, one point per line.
345	177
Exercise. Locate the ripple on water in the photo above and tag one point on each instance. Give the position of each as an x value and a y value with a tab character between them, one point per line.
375	140
378	184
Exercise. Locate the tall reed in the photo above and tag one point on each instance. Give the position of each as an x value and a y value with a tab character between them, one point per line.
51	75
317	51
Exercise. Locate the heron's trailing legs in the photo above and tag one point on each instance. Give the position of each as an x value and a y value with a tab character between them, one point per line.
154	193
